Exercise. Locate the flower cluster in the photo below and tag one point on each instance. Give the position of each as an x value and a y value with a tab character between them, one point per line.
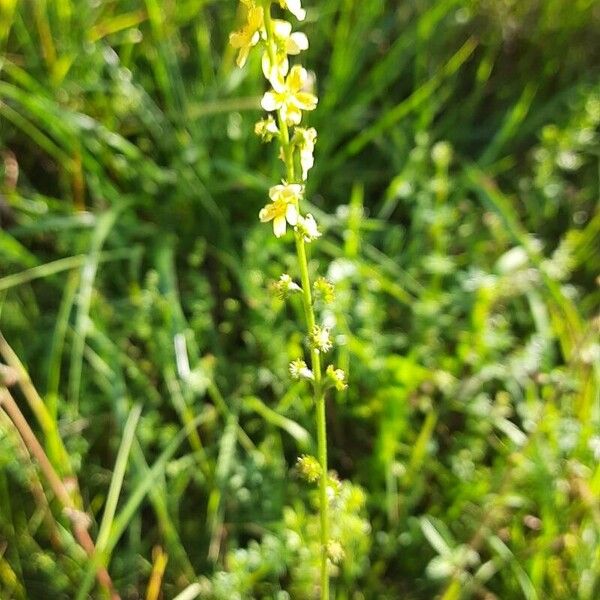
289	97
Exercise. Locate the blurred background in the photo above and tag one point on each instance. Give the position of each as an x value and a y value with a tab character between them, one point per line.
456	181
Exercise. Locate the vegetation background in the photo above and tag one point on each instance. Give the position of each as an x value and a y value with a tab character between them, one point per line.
456	177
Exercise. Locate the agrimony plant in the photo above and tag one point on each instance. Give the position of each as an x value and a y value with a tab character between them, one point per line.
286	102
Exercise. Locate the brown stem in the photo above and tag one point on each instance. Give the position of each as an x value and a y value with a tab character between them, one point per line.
37	405
79	520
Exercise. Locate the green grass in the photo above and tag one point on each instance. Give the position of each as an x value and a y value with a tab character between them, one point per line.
467	300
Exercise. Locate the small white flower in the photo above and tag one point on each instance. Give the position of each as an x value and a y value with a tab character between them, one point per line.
295	7
321	339
309	468
335	551
285	286
307	228
299	370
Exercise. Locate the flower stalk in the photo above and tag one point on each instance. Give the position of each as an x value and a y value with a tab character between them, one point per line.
287	100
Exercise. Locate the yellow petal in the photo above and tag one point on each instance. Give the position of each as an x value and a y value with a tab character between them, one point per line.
256	17
295	7
237	39
242	56
305	101
291	214
265	215
296	43
270	102
279	226
282	29
296	79
291	114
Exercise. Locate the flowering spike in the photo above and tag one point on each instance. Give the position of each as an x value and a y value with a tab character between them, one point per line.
288	98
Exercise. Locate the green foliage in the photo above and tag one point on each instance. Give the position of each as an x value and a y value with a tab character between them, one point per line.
458	152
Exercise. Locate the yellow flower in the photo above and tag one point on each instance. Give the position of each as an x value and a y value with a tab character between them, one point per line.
287	96
286	43
283	208
295	7
249	34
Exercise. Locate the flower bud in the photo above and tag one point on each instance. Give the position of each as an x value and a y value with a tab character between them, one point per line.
266	129
324	289
337	378
441	154
307	228
309	468
285	286
320	339
299	370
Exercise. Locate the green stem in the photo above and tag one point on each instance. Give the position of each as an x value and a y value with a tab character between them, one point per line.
319	398
307	301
